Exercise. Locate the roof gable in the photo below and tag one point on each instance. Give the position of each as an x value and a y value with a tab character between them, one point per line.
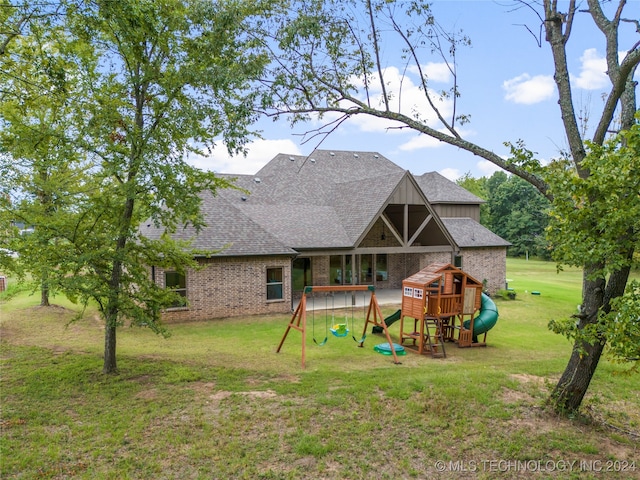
329	200
439	189
407	192
325	200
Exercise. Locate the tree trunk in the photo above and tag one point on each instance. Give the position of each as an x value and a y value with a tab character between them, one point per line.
44	290
111	314
109	365
112	311
574	382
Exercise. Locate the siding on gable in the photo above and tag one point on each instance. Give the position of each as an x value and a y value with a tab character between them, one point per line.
448	210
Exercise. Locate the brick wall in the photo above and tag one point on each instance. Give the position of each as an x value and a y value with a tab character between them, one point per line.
320	270
228	287
375	234
404	265
488	264
480	263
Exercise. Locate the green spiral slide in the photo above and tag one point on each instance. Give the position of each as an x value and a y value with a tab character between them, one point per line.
486	319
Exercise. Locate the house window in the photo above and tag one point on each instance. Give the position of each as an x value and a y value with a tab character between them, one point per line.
382	273
335	269
457	261
274	284
301	273
366	274
177	282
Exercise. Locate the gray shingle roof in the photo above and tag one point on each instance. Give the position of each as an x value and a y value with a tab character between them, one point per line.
227	230
323	201
439	189
468	233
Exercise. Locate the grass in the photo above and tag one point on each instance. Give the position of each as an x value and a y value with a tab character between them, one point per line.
215	401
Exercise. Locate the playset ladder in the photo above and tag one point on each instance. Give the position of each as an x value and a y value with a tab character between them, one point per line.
427	336
434	337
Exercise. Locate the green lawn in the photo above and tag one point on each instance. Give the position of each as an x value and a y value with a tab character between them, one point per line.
215	401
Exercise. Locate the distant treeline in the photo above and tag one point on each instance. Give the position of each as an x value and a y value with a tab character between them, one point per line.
515	210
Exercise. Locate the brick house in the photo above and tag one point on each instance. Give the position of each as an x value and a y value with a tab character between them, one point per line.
334	218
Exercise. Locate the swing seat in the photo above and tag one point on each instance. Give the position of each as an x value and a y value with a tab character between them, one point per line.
340	330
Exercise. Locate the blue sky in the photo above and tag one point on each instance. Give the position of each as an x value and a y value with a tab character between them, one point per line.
506	84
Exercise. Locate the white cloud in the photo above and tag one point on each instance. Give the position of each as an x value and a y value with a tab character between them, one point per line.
528	90
260	152
487	168
451	173
369	124
405	96
435	72
593	70
419	142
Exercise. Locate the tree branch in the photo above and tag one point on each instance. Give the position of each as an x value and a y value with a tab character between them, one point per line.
557	40
376	49
412	51
361	108
619	73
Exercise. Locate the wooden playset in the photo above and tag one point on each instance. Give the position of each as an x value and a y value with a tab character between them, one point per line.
341	327
436	300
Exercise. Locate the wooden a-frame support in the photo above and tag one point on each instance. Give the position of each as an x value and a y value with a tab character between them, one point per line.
374	316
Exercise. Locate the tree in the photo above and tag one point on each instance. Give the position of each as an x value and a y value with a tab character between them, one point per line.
595	219
155	80
31	79
518	213
328	55
514	209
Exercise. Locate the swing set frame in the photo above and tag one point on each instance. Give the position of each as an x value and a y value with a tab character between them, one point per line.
374	316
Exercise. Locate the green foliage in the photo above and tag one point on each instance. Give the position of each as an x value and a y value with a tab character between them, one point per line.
506	294
42	172
524	159
134	87
519	214
514	209
594	219
12	288
622	327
